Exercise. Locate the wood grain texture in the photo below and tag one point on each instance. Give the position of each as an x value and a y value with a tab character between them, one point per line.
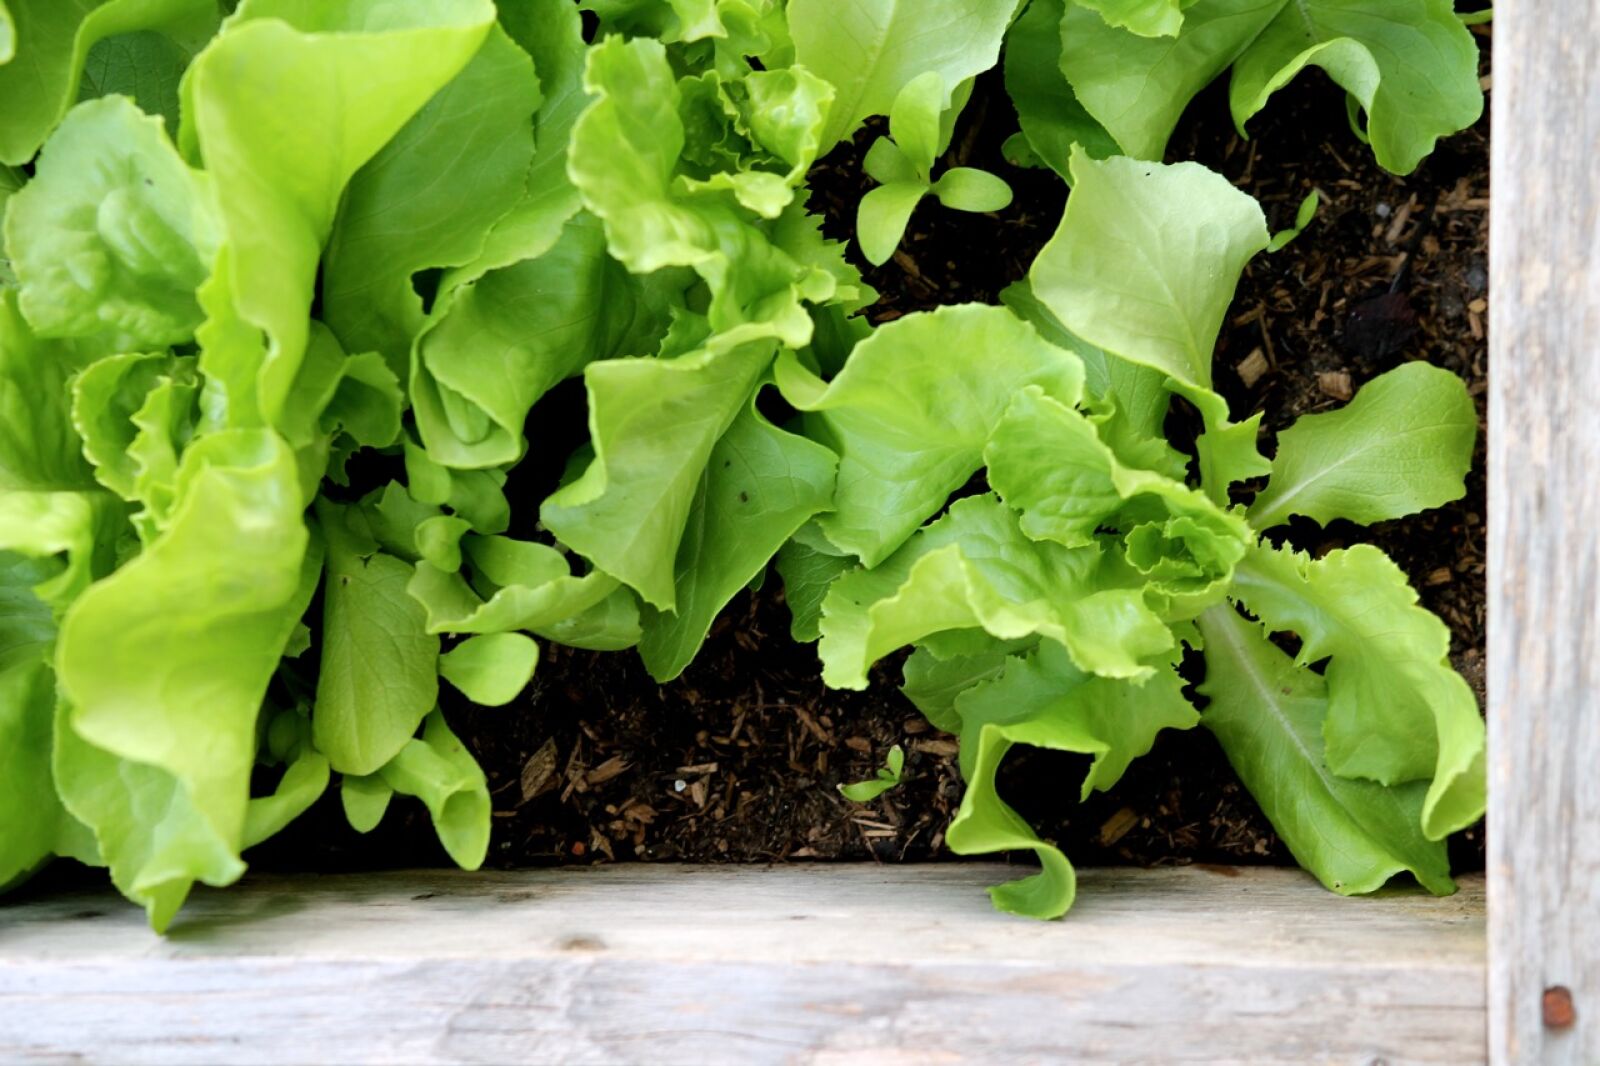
1544	516
815	965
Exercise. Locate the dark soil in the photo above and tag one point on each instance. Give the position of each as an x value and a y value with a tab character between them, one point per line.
738	760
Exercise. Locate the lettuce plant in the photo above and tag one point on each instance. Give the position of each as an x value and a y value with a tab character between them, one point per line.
286	295
1116	75
1053	608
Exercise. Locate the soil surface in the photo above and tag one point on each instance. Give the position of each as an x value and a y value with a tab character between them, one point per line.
738	760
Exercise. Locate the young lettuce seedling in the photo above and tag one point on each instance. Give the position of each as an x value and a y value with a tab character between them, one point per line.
887	777
903	164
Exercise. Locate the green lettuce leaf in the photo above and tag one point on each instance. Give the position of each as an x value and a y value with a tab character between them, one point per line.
1397	712
1147	18
626	158
1052	118
148	65
39	448
55	37
439	770
1047	463
760	485
654	424
1045	701
115	233
1146	260
1268	714
138	668
490	670
428	198
870	49
1410	64
286	105
807	574
512	335
517	585
550	31
912	410
379	676
1403	445
1144	265
974	568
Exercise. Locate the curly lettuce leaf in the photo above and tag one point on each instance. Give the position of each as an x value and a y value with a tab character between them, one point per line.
627	159
911	411
439	770
975	568
1397	712
163	667
1045	701
1402	445
115	233
136	413
1268	714
1046	462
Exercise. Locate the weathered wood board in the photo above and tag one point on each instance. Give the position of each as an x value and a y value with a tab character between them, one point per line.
799	964
1544	535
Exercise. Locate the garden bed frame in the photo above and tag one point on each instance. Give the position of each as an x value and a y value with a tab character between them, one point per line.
843	964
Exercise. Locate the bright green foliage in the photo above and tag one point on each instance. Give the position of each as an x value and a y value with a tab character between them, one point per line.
1410	65
1042	699
887	777
906	437
904	166
1268	714
1050	612
379	675
49	41
1401	446
1052	118
298	306
870	49
1396	710
115	233
1302	218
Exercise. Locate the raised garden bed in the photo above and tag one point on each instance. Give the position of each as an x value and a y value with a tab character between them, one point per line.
738	759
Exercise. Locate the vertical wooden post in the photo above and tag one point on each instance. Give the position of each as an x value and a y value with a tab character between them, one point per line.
1544	536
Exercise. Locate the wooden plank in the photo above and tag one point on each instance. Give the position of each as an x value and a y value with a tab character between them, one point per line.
801	964
1544	514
